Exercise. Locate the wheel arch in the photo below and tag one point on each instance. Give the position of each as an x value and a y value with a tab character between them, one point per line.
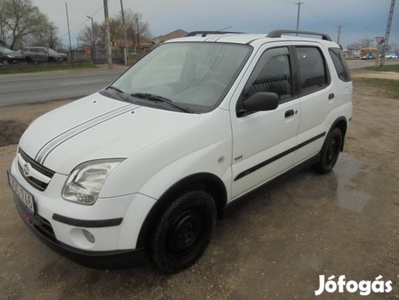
210	183
342	124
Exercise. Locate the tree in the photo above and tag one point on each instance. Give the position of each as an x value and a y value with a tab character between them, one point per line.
117	30
92	35
131	21
22	22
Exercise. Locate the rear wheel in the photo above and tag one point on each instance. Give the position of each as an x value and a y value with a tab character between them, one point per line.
183	232
5	62
330	152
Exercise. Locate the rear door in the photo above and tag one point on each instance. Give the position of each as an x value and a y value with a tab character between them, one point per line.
264	142
318	98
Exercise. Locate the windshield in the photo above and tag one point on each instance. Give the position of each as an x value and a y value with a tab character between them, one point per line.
195	75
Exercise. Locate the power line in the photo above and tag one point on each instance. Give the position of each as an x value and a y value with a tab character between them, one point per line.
85	21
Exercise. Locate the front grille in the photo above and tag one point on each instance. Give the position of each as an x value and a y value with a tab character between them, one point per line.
38	183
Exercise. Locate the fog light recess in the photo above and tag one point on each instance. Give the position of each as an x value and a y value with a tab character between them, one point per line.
83	238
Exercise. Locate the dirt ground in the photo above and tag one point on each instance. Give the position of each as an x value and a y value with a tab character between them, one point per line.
274	246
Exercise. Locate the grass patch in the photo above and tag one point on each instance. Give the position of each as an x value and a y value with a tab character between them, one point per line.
388	87
385	68
31	68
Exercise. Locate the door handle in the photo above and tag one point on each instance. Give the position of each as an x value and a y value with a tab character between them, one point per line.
331	96
289	113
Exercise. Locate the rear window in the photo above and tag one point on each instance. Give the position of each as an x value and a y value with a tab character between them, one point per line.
340	64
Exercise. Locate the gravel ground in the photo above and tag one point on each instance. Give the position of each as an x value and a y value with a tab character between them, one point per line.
274	246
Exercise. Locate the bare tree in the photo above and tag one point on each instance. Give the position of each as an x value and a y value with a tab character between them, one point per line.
366	42
131	20
117	29
355	46
21	19
92	35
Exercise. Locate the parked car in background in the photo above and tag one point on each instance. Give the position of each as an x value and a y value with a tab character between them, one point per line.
8	56
392	55
37	54
369	56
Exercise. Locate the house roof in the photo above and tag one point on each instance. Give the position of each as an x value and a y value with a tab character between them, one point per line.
172	35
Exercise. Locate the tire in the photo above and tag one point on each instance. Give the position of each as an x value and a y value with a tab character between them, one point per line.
28	59
183	232
5	62
330	152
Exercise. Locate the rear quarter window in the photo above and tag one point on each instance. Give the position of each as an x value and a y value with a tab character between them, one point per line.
340	64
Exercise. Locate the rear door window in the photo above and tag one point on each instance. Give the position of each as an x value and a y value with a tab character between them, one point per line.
313	75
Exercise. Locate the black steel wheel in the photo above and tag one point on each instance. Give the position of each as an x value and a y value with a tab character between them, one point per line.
330	152
183	232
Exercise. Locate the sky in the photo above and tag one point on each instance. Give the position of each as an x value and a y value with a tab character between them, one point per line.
360	19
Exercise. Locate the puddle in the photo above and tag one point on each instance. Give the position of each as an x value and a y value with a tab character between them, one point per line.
348	196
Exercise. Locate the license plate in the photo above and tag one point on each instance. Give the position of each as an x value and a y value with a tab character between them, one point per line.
22	194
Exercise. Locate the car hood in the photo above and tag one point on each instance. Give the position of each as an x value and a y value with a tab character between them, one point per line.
97	127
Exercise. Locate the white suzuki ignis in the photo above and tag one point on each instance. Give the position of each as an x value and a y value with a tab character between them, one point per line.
140	171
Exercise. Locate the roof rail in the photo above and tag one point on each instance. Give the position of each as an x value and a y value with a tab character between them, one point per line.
205	33
279	32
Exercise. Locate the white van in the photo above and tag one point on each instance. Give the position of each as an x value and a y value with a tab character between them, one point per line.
141	170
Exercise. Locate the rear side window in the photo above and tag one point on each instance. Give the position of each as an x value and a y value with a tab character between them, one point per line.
340	64
312	70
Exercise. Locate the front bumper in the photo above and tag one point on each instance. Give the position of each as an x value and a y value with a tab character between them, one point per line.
117	259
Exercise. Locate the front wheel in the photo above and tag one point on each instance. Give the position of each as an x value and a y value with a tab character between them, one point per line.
183	232
330	152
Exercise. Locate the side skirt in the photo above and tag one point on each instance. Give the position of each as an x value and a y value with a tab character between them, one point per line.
235	204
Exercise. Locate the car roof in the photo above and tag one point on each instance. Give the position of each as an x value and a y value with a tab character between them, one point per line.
254	38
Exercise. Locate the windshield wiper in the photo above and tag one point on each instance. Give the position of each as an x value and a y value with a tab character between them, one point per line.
120	93
114	88
157	98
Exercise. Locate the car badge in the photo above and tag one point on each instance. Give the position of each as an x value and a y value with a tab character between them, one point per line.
26	169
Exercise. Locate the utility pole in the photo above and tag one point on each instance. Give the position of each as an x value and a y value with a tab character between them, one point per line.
69	32
138	35
50	42
2	33
107	29
298	15
126	52
93	39
339	34
390	15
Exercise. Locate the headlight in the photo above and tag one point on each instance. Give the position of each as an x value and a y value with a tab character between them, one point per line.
86	180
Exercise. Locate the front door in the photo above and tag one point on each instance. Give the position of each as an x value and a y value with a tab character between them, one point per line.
264	142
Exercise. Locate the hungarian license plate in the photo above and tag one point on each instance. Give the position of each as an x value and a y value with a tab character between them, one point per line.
22	194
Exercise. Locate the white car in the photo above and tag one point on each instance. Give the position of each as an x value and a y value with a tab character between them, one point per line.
392	55
141	170
40	54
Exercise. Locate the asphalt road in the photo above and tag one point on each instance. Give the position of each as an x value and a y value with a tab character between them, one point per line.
41	87
58	85
356	64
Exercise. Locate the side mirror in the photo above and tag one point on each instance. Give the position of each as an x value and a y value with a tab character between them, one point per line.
261	102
